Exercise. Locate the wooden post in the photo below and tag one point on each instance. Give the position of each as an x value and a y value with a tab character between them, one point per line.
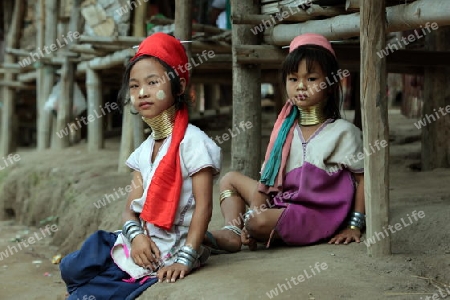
246	98
65	109
279	96
44	120
126	141
375	122
64	113
140	16
214	101
356	98
94	99
138	131
436	107
40	72
183	23
183	31
12	41
209	89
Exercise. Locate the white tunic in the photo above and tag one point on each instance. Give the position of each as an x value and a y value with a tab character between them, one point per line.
197	151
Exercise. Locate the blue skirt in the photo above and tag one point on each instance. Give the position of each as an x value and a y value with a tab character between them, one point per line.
91	274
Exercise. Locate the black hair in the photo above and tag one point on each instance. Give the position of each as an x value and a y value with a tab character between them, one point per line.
181	100
329	65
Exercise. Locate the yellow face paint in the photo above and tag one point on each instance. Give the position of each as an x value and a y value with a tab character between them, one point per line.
300	85
141	92
133	100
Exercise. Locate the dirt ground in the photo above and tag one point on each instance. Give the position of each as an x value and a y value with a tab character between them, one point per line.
60	189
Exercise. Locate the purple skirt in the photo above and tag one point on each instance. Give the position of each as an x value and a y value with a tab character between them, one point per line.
316	204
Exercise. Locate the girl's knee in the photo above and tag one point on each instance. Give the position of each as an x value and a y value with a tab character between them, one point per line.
226	182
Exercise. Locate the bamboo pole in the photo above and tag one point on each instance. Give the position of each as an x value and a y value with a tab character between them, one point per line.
28	77
119	40
246	97
44	120
64	113
267	54
7	143
287	13
130	41
399	18
140	14
88	49
23	53
195	27
118	58
65	109
16	85
375	123
95	139
16	68
353	5
40	72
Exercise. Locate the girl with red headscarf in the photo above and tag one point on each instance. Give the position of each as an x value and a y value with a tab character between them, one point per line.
170	203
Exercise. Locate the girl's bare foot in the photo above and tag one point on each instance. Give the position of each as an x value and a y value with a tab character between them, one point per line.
248	241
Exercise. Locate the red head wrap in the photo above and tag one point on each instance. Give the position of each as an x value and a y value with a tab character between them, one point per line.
168	49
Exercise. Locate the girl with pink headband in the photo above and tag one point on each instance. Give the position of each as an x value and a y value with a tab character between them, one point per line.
312	181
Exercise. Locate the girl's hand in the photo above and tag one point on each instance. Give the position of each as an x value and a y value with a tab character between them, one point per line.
172	272
144	252
346	236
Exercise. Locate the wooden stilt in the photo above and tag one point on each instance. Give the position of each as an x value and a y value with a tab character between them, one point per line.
246	97
94	98
64	114
356	98
436	133
375	123
126	141
7	143
183	28
183	23
279	96
40	72
65	109
44	120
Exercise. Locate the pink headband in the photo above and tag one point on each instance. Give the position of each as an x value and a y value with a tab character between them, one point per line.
311	39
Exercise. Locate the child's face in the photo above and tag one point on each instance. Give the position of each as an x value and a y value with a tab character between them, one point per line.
304	88
150	89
